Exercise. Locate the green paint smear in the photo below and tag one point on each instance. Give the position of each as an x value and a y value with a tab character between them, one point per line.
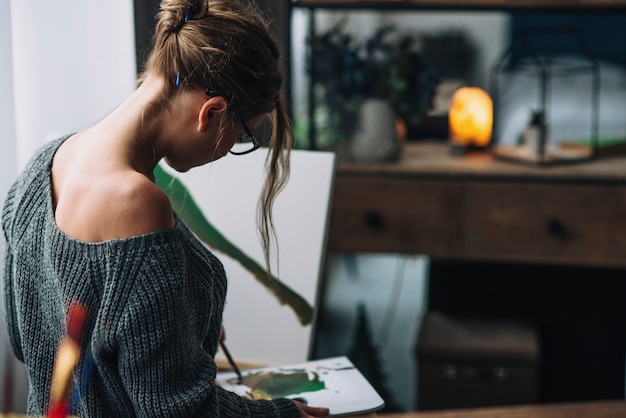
271	385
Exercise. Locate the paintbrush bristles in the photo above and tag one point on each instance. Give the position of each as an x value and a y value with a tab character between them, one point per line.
77	315
67	358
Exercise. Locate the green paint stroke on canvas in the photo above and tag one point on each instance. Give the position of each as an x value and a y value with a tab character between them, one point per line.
271	385
191	214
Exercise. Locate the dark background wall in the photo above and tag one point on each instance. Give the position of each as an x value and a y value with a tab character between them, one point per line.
604	34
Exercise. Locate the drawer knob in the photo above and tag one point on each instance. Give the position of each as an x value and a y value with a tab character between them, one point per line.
556	228
373	219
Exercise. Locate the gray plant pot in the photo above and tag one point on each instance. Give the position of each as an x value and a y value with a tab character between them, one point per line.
375	138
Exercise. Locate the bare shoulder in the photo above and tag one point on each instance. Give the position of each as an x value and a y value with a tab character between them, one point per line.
140	206
116	206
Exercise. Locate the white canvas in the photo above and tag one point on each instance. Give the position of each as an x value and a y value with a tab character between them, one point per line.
258	329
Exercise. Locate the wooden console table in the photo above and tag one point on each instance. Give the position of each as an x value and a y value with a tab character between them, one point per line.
476	208
546	245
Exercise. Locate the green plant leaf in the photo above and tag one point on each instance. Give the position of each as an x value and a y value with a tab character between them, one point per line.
191	214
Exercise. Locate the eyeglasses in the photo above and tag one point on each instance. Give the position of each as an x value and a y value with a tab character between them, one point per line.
249	138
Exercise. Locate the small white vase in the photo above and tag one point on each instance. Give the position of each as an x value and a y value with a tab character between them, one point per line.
375	138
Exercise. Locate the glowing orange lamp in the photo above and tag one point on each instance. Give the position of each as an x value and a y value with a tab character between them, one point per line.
470	117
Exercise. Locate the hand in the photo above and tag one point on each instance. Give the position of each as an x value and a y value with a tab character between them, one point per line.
222	335
310	411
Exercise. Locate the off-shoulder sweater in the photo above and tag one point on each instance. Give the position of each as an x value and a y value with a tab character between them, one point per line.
154	304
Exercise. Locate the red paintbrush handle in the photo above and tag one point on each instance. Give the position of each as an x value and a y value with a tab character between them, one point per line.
58	410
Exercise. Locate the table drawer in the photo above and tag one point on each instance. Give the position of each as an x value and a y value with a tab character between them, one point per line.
546	223
395	215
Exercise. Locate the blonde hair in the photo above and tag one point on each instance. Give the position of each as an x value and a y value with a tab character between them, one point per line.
226	48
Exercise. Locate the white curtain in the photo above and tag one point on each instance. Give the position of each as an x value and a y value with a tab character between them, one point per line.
63	65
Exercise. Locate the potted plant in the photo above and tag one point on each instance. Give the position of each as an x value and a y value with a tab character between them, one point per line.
359	82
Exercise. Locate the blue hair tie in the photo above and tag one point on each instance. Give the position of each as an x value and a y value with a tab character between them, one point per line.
186	16
177	79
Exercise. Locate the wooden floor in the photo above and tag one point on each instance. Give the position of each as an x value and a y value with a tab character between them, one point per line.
603	409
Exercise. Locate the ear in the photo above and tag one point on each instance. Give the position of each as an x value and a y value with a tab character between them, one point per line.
210	111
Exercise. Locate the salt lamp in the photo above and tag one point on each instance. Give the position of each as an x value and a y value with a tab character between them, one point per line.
470	117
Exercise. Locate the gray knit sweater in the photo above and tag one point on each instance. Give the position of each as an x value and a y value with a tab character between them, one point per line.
155	307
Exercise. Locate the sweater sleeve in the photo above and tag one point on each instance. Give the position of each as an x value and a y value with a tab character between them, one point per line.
167	338
8	279
9	305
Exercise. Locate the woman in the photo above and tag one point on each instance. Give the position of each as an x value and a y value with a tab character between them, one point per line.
86	223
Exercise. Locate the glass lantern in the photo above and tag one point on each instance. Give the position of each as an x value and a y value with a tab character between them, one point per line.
546	101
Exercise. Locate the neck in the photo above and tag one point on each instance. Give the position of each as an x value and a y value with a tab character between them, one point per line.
134	128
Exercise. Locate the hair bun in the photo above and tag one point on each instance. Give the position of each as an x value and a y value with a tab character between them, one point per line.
178	12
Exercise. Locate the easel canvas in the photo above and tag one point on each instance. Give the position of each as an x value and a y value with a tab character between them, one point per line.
259	330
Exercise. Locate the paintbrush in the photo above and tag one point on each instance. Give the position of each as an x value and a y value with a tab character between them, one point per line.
231	362
67	357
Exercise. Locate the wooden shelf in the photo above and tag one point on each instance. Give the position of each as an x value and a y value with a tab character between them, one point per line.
504	5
